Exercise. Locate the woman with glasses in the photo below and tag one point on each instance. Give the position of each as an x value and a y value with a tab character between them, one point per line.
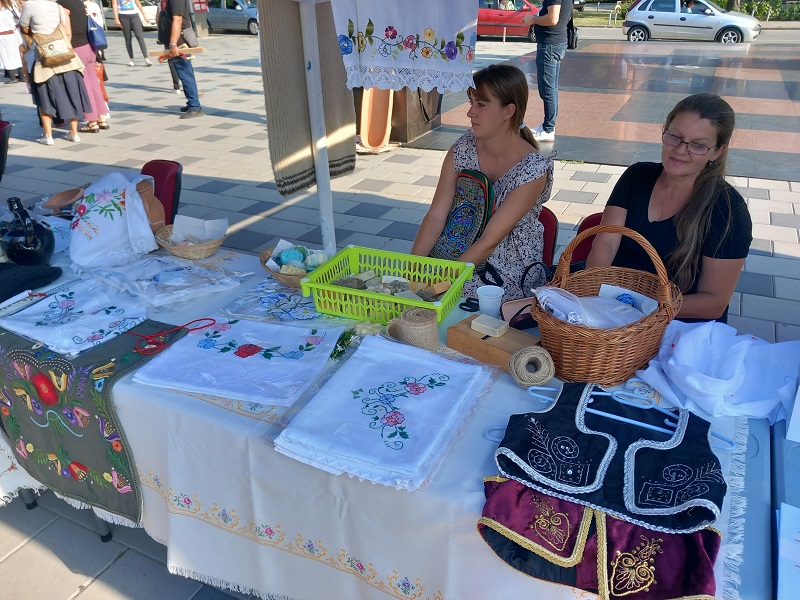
697	222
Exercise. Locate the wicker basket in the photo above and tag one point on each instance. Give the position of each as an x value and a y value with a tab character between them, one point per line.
607	356
193	252
290	281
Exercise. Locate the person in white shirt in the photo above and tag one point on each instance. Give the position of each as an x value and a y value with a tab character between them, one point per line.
126	15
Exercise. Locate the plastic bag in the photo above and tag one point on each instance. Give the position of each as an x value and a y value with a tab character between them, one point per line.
591	311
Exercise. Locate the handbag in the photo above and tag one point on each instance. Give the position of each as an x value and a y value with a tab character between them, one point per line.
54	48
95	33
572	35
190	37
471	210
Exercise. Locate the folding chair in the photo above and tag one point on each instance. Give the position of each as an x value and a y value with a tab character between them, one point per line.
5	135
582	251
548	218
167	175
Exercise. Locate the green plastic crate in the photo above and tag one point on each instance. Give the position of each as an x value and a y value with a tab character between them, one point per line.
382	308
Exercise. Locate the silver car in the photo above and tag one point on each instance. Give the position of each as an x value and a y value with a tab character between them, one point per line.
700	20
238	15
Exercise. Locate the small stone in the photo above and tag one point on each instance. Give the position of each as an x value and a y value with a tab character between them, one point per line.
391	278
441	287
407	294
350	282
365	275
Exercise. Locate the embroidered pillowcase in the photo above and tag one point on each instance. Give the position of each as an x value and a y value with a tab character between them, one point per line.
111	223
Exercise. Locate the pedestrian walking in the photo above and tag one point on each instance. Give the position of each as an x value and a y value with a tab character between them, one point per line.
77	13
10	41
550	28
173	19
126	15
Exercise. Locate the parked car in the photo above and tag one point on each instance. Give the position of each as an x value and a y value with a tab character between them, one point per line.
237	15
578	5
148	18
673	20
492	19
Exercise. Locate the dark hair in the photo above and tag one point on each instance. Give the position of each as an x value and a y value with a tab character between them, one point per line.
508	84
693	221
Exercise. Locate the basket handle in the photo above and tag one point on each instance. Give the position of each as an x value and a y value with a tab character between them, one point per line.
562	271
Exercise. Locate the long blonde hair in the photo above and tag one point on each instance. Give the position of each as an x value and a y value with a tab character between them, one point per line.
693	221
508	84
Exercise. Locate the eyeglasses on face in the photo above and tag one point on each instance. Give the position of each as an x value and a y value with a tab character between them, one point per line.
675	141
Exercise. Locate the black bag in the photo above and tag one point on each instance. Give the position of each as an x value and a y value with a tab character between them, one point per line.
572	35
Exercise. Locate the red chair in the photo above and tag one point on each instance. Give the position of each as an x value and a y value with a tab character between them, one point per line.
168	176
582	251
550	222
5	135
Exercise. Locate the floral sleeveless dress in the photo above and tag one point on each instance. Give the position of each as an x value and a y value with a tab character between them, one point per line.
524	244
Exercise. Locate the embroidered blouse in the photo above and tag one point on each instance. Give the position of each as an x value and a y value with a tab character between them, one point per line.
524	244
666	482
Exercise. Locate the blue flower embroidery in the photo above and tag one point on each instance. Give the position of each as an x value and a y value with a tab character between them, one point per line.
345	45
207	343
294	355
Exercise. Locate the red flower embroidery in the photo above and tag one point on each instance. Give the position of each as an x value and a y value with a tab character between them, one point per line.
246	350
5	411
393	418
415	388
81	210
116	445
45	388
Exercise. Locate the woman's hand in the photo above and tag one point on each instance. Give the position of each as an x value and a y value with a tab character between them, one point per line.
605	245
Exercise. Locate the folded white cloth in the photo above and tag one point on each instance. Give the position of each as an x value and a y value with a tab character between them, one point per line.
591	311
265	363
77	318
388	414
710	369
166	280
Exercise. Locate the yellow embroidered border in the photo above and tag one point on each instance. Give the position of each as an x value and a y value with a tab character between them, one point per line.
273	536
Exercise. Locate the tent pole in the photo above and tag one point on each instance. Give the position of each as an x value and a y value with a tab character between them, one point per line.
308	27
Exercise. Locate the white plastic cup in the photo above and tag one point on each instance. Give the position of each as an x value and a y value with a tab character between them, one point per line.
490	297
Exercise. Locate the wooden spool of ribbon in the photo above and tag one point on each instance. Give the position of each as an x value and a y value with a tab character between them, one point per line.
416	326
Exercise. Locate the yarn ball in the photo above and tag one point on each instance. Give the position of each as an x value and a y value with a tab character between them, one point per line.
291	254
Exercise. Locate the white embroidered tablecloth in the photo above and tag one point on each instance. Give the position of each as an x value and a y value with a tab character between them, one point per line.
265	363
386	415
76	318
407	43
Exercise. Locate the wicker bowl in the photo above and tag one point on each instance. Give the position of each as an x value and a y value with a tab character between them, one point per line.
192	252
607	356
290	281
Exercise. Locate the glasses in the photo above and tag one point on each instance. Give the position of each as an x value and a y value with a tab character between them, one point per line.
675	141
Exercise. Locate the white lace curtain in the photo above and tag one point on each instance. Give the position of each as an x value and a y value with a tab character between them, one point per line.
415	43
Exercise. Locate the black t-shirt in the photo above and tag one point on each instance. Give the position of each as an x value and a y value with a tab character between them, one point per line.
555	34
633	191
77	21
170	8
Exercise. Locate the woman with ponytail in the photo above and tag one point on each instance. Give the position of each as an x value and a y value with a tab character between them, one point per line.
697	221
502	147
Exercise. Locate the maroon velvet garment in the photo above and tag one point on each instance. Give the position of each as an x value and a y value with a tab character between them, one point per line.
568	543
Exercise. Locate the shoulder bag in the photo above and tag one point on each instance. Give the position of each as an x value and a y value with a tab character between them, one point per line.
54	48
95	33
572	35
471	210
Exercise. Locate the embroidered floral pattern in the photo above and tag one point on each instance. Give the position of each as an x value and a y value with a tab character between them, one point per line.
556	459
379	403
679	484
553	527
61	310
108	204
633	572
413	45
271	535
211	341
272	301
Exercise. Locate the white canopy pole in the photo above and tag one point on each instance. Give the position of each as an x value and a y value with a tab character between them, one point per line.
308	27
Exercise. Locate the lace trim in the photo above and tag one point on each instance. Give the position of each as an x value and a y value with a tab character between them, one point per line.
394	78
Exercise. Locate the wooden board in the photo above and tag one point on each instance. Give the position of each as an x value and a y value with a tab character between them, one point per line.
187	50
493	351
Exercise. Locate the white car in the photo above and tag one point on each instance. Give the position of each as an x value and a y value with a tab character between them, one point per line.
701	20
148	18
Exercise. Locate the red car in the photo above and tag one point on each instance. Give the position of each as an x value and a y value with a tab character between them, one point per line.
494	15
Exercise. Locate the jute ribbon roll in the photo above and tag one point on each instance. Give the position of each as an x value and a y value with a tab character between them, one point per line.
416	326
532	366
